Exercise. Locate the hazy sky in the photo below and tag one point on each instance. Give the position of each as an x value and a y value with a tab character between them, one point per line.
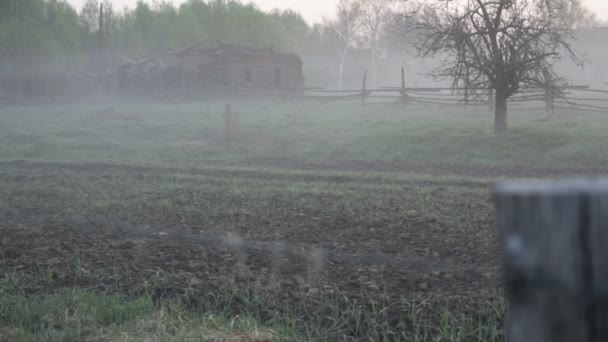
314	10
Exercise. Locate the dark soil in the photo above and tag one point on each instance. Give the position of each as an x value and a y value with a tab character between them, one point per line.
55	257
411	258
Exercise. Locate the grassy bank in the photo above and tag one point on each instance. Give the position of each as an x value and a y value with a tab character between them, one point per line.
316	222
298	130
230	315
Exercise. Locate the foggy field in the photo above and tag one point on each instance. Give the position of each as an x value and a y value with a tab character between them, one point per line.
300	130
315	222
217	170
303	245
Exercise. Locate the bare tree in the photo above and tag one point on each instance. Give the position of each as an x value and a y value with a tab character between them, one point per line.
375	17
89	15
573	13
499	45
343	31
90	12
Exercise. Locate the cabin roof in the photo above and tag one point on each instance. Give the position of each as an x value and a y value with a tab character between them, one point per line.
225	49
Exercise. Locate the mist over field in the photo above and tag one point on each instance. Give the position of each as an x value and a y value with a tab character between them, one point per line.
214	171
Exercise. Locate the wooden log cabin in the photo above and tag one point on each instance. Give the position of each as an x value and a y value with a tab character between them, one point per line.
231	66
200	71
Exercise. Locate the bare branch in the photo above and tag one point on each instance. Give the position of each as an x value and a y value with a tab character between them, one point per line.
503	45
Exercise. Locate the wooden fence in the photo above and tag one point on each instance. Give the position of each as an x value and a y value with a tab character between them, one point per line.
578	98
555	250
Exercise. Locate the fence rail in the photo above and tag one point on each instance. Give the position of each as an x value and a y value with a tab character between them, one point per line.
578	97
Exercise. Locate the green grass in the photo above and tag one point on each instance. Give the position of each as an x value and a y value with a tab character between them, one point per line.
195	132
76	315
303	207
168	167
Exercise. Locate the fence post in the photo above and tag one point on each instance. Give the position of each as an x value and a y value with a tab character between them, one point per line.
363	86
228	124
403	93
549	101
549	97
598	237
554	237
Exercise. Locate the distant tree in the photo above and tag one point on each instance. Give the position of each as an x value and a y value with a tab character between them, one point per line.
32	31
343	31
374	19
219	15
150	30
89	16
295	32
61	27
36	30
503	45
574	14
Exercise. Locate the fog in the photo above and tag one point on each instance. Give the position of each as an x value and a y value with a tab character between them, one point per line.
314	10
217	171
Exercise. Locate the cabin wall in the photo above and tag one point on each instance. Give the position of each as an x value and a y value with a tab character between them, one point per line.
262	71
232	72
193	75
199	72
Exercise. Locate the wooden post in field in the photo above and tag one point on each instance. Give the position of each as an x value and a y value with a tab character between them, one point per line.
363	86
228	124
549	97
403	94
555	249
549	101
598	237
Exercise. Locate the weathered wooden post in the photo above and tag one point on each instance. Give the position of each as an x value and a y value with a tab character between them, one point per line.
598	236
402	91
549	101
555	249
363	90
549	96
228	123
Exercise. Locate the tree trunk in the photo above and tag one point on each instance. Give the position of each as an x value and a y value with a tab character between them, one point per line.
374	76
500	112
341	71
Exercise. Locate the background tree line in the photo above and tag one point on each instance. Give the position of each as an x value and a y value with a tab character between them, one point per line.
51	33
34	31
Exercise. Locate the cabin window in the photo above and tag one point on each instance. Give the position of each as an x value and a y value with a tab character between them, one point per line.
277	78
248	76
